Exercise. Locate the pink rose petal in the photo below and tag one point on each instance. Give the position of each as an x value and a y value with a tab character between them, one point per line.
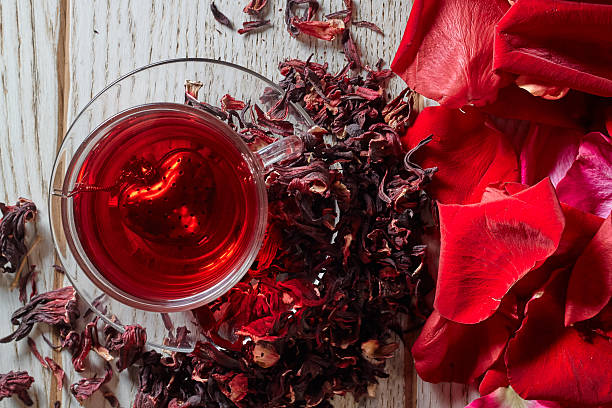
587	185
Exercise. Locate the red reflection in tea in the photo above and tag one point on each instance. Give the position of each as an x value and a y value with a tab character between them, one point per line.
165	206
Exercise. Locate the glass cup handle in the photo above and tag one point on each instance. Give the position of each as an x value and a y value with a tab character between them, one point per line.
285	149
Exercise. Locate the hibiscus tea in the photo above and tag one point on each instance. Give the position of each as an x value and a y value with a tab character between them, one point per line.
165	204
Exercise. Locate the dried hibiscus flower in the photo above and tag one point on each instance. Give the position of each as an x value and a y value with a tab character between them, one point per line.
84	388
129	344
58	308
324	30
16	383
12	233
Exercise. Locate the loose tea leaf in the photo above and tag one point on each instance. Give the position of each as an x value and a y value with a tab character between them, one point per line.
16	383
12	233
249	26
58	308
220	17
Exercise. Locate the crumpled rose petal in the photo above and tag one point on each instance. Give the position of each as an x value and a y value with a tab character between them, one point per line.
486	248
549	361
446	53
590	285
587	185
507	397
562	42
469	154
448	351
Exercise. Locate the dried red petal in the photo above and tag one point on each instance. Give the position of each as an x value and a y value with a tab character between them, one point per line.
576	364
468	152
486	248
16	383
265	355
446	53
220	17
255	6
12	233
324	30
58	307
448	351
566	43
249	26
590	285
370	25
85	388
130	345
230	103
57	370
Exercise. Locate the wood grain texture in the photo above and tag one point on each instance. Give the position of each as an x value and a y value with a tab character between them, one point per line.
56	55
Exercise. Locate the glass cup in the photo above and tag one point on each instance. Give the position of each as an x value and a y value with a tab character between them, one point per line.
159	89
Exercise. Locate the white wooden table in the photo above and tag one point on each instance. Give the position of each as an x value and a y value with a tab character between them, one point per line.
56	54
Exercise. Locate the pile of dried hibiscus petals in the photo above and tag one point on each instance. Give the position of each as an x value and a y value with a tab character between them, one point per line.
339	276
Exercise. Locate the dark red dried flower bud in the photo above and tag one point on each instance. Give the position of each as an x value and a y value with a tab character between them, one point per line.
16	383
12	233
130	345
55	308
84	389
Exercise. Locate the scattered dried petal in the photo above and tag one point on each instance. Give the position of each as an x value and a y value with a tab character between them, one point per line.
220	17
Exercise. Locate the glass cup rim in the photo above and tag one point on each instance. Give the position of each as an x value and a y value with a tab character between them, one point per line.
178	306
189	302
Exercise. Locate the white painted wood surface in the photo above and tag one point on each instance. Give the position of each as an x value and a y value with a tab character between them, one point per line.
55	55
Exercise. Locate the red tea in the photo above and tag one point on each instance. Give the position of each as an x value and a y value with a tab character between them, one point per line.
165	204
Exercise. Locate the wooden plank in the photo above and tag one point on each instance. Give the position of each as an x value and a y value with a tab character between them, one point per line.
28	138
57	55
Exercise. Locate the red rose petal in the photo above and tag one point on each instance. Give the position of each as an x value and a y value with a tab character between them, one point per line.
506	397
587	185
449	351
447	51
590	285
566	43
494	378
516	103
486	248
549	361
548	151
468	153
